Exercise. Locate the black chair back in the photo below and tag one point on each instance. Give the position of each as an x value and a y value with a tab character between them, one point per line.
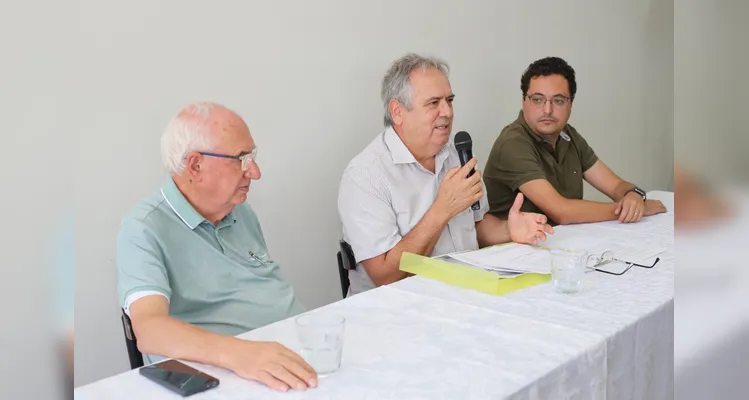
346	262
136	358
343	275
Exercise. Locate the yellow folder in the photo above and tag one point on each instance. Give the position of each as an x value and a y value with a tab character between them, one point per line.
468	277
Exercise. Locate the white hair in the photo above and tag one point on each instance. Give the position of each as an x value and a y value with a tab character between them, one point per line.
397	85
188	131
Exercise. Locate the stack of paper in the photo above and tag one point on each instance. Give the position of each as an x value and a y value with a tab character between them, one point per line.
507	259
512	259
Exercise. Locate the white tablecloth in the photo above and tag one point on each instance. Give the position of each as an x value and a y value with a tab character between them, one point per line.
422	339
631	315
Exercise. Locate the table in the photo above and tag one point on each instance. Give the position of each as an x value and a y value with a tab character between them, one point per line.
632	314
423	339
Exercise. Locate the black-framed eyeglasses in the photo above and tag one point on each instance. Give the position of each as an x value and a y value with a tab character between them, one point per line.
608	257
538	100
244	159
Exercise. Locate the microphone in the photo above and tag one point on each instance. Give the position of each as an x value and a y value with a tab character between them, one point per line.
463	145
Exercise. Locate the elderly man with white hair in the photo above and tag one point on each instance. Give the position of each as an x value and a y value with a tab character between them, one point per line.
193	267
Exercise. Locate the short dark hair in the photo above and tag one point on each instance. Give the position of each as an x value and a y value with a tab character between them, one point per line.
549	66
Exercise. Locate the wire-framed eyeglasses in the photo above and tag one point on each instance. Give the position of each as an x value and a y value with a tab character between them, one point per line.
538	100
244	159
607	257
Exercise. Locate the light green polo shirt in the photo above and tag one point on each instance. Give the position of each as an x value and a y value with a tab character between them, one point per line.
206	272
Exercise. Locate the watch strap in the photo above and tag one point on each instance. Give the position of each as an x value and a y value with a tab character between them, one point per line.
638	191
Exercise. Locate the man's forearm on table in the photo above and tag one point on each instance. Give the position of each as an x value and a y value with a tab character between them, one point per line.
172	338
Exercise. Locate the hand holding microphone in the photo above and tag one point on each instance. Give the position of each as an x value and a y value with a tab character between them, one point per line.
461	187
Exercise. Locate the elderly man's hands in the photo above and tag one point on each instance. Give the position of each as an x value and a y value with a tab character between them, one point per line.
273	365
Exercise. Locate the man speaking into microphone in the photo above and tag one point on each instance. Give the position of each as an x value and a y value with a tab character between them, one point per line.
407	190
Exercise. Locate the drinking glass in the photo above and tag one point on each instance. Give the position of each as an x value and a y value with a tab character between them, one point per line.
568	270
321	336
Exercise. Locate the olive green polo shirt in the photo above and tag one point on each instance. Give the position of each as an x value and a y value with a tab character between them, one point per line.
519	156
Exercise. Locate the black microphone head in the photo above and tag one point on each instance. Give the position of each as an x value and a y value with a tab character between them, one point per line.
463	140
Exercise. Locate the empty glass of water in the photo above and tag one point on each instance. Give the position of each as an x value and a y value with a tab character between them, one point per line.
568	269
321	336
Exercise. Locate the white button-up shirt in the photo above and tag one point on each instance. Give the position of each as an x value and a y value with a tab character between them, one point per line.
385	192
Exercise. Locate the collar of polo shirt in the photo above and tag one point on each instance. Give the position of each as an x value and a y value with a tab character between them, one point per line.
401	154
184	210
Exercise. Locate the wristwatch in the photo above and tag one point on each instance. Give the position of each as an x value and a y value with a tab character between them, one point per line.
638	191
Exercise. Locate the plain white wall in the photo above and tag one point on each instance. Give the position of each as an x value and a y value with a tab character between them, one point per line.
306	78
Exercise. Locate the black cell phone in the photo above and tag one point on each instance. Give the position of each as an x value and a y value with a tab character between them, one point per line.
178	377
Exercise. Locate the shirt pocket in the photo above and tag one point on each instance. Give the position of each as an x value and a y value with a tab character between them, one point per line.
409	207
463	222
463	231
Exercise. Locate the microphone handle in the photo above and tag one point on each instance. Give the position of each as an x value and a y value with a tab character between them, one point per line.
464	157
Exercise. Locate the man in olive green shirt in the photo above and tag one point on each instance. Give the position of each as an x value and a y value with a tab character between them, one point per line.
546	159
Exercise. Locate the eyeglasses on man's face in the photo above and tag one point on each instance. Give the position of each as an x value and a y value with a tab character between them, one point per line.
538	100
244	159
